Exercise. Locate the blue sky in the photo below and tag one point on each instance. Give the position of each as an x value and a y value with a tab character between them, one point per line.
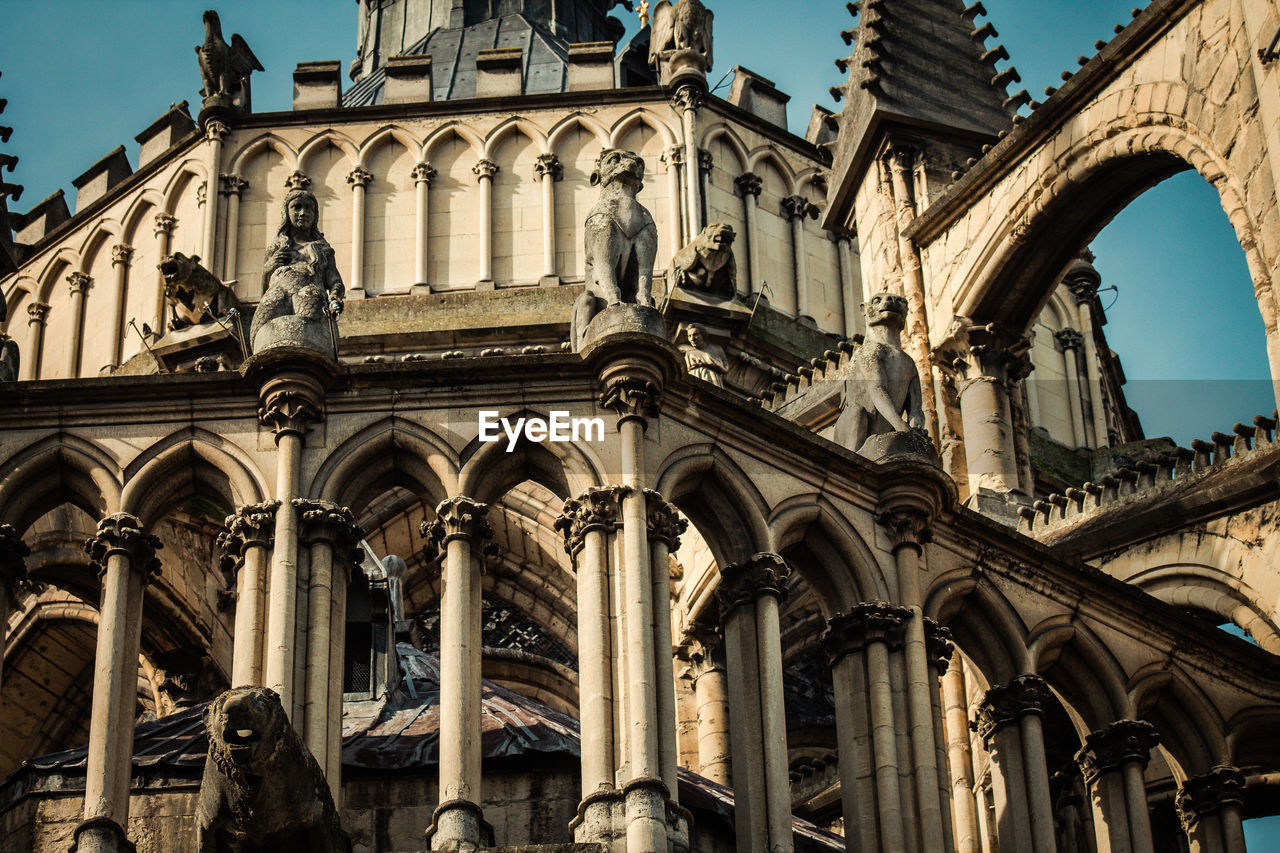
84	77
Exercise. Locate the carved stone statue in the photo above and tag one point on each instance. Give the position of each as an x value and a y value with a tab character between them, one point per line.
706	265
225	68
702	358
10	358
621	242
302	290
262	791
882	382
194	294
683	26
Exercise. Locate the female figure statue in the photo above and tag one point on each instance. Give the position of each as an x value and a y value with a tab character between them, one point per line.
303	290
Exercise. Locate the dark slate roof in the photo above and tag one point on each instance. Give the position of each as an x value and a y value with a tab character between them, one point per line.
453	60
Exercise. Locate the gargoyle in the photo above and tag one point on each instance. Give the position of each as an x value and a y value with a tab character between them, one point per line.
882	381
707	264
195	294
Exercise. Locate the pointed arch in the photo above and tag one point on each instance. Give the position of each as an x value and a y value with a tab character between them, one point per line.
317	143
457	129
489	470
719	498
19	288
848	571
187	170
1192	732
250	149
725	132
188	462
513	125
57	469
64	258
624	125
383	136
985	625
390	452
143	203
1082	670
571	121
767	153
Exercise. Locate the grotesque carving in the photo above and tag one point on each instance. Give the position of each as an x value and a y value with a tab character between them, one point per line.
194	294
262	791
702	358
303	291
9	359
683	26
225	68
707	264
882	382
621	241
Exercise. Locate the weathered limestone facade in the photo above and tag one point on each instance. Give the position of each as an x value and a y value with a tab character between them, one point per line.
702	624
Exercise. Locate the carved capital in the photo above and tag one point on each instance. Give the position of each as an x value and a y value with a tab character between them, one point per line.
597	508
164	224
232	184
939	645
759	574
288	410
749	184
297	181
359	177
122	533
687	98
1068	339
38	312
705	161
121	254
215	130
797	207
458	518
548	164
1116	745
202	193
251	525
1006	704
423	173
673	156
663	520
631	397
1202	796
486	168
13	560
906	525
866	623
702	652
325	521
79	282
997	351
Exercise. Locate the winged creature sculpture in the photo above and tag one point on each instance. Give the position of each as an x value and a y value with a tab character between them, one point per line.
224	68
682	26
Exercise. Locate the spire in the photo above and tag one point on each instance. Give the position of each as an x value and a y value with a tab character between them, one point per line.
920	63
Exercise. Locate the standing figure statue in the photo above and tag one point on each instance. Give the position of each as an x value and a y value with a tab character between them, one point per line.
225	68
702	358
303	291
621	242
882	382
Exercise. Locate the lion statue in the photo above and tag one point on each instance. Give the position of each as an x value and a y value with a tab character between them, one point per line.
706	265
621	242
262	791
194	293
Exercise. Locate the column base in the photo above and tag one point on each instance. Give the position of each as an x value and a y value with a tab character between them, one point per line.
601	818
458	826
646	814
101	835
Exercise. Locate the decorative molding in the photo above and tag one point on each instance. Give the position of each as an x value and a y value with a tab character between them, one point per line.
79	282
631	397
663	521
165	223
232	185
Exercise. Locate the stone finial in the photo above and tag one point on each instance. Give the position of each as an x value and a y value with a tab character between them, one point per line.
663	520
863	624
38	312
230	185
1004	705
1114	746
164	224
359	177
13	557
939	645
1203	796
121	254
122	533
325	521
749	184
548	164
79	282
458	518
250	525
759	574
297	180
486	168
597	508
423	173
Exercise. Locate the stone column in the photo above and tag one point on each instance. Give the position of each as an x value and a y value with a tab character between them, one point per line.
1083	280
704	655
960	756
289	403
231	186
1112	761
674	158
749	595
1210	808
749	186
664	526
858	643
214	132
459	531
245	541
80	285
939	649
121	256
1009	721
1068	341
484	172
37	316
686	101
796	300
548	170
13	578
588	524
359	179
984	406
850	288
422	175
164	225
125	557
